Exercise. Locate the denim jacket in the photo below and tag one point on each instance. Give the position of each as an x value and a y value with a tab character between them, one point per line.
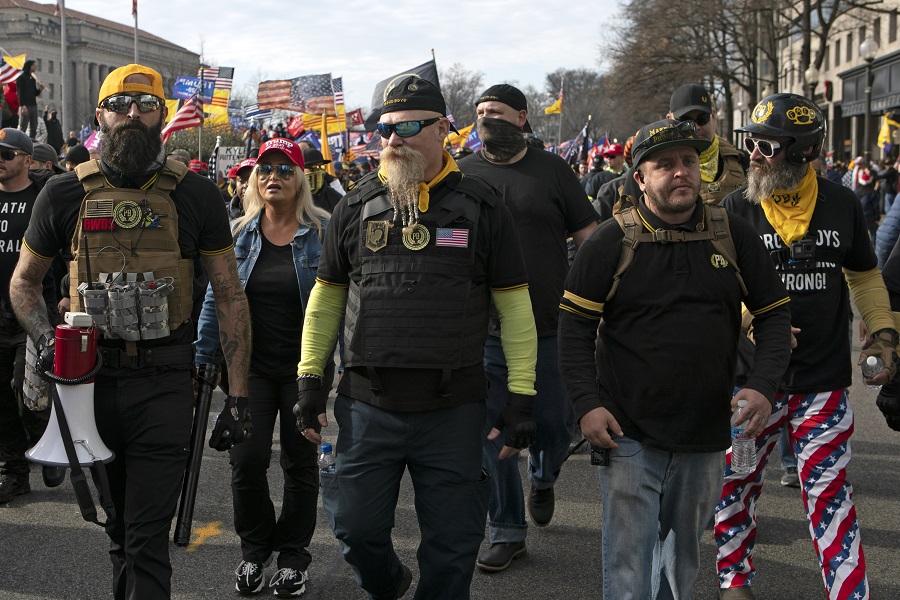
306	249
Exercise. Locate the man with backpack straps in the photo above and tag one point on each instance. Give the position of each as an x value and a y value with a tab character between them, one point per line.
654	403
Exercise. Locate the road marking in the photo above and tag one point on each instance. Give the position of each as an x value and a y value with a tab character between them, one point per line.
204	533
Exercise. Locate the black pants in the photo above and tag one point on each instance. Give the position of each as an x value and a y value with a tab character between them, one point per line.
255	521
20	428
145	418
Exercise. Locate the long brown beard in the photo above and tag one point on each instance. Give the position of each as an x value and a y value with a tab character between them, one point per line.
130	148
762	182
405	170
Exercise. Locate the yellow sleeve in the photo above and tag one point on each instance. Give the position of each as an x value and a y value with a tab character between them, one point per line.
518	336
320	327
871	298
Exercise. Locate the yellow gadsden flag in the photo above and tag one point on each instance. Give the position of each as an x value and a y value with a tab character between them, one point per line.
555	108
16	62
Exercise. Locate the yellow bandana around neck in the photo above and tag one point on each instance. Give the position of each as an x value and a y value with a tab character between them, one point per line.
790	211
424	188
709	161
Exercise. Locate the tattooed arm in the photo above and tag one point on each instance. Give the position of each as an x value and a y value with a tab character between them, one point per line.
234	318
25	292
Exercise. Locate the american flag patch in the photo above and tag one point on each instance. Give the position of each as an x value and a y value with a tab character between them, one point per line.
452	237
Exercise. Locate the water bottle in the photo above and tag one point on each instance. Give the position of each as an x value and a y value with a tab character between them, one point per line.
743	449
872	367
326	459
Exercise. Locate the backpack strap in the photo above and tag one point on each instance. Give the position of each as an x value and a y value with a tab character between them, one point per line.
626	215
717	217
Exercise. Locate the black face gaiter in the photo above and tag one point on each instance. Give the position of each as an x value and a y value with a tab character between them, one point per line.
502	140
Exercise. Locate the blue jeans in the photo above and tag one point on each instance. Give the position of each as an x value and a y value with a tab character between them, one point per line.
442	451
655	507
555	420
788	459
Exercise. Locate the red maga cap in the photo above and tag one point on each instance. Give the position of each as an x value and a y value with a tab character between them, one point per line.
286	147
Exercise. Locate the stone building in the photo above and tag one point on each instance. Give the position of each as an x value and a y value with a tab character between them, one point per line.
95	46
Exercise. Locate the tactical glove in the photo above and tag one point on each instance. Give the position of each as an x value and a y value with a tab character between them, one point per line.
311	403
233	424
884	346
46	350
516	418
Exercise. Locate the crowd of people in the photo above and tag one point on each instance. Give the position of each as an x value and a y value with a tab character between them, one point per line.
705	277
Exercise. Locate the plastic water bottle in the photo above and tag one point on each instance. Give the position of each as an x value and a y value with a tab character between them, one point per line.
872	367
743	449
326	459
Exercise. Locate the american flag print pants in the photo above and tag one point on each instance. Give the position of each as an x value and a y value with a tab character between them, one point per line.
820	428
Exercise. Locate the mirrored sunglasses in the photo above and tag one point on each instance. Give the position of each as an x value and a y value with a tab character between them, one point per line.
685	130
122	103
283	171
405	129
700	120
767	148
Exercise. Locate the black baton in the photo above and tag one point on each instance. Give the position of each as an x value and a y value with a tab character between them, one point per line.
206	375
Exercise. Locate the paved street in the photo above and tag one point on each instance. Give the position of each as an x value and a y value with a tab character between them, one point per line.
49	552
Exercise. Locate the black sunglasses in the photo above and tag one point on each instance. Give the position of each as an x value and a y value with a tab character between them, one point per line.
702	120
766	147
685	130
8	155
283	171
405	129
122	103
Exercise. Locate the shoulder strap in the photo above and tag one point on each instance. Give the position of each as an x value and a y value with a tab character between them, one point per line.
366	188
625	214
90	174
171	175
478	189
717	217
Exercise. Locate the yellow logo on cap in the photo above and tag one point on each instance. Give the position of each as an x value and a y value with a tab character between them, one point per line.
704	99
412	87
801	115
762	112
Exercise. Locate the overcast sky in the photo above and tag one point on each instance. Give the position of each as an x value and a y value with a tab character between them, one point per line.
516	41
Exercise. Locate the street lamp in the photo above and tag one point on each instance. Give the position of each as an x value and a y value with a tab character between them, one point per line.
867	50
811	76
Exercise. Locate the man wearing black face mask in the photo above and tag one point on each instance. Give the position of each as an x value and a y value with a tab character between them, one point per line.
548	204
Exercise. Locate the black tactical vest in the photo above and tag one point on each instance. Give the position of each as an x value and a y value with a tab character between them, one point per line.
416	305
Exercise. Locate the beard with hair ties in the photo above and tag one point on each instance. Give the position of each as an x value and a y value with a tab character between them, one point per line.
404	169
764	178
131	148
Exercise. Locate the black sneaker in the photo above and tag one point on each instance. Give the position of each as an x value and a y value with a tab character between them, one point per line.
250	578
12	486
287	582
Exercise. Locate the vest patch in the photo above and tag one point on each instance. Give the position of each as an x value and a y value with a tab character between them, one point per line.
377	235
98	224
128	214
418	238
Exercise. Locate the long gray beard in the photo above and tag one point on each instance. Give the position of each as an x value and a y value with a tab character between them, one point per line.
132	148
762	184
405	169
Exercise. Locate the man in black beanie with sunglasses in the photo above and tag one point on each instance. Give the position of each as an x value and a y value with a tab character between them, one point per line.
548	205
721	169
128	223
412	258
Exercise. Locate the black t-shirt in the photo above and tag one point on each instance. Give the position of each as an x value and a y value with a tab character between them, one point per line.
277	315
668	338
498	263
202	219
547	204
820	298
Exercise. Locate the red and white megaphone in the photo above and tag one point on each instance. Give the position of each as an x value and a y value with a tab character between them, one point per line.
76	357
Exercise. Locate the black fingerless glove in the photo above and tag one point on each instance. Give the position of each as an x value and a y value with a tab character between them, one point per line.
233	424
311	403
516	418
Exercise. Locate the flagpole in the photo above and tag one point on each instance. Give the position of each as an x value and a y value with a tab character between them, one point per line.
200	129
64	59
134	12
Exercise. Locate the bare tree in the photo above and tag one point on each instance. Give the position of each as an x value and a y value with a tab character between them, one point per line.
460	88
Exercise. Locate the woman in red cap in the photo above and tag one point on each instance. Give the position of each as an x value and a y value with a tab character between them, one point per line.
277	245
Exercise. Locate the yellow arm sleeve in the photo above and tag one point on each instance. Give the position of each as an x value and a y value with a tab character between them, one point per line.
518	336
320	327
871	298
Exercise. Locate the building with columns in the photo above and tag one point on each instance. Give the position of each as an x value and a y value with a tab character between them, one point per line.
95	46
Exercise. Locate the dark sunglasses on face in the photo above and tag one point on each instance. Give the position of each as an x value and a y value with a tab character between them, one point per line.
283	171
122	104
405	129
685	130
8	155
766	147
700	120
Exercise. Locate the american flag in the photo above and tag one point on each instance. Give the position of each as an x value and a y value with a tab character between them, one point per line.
308	94
251	111
338	85
189	115
223	76
458	238
368	146
8	74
